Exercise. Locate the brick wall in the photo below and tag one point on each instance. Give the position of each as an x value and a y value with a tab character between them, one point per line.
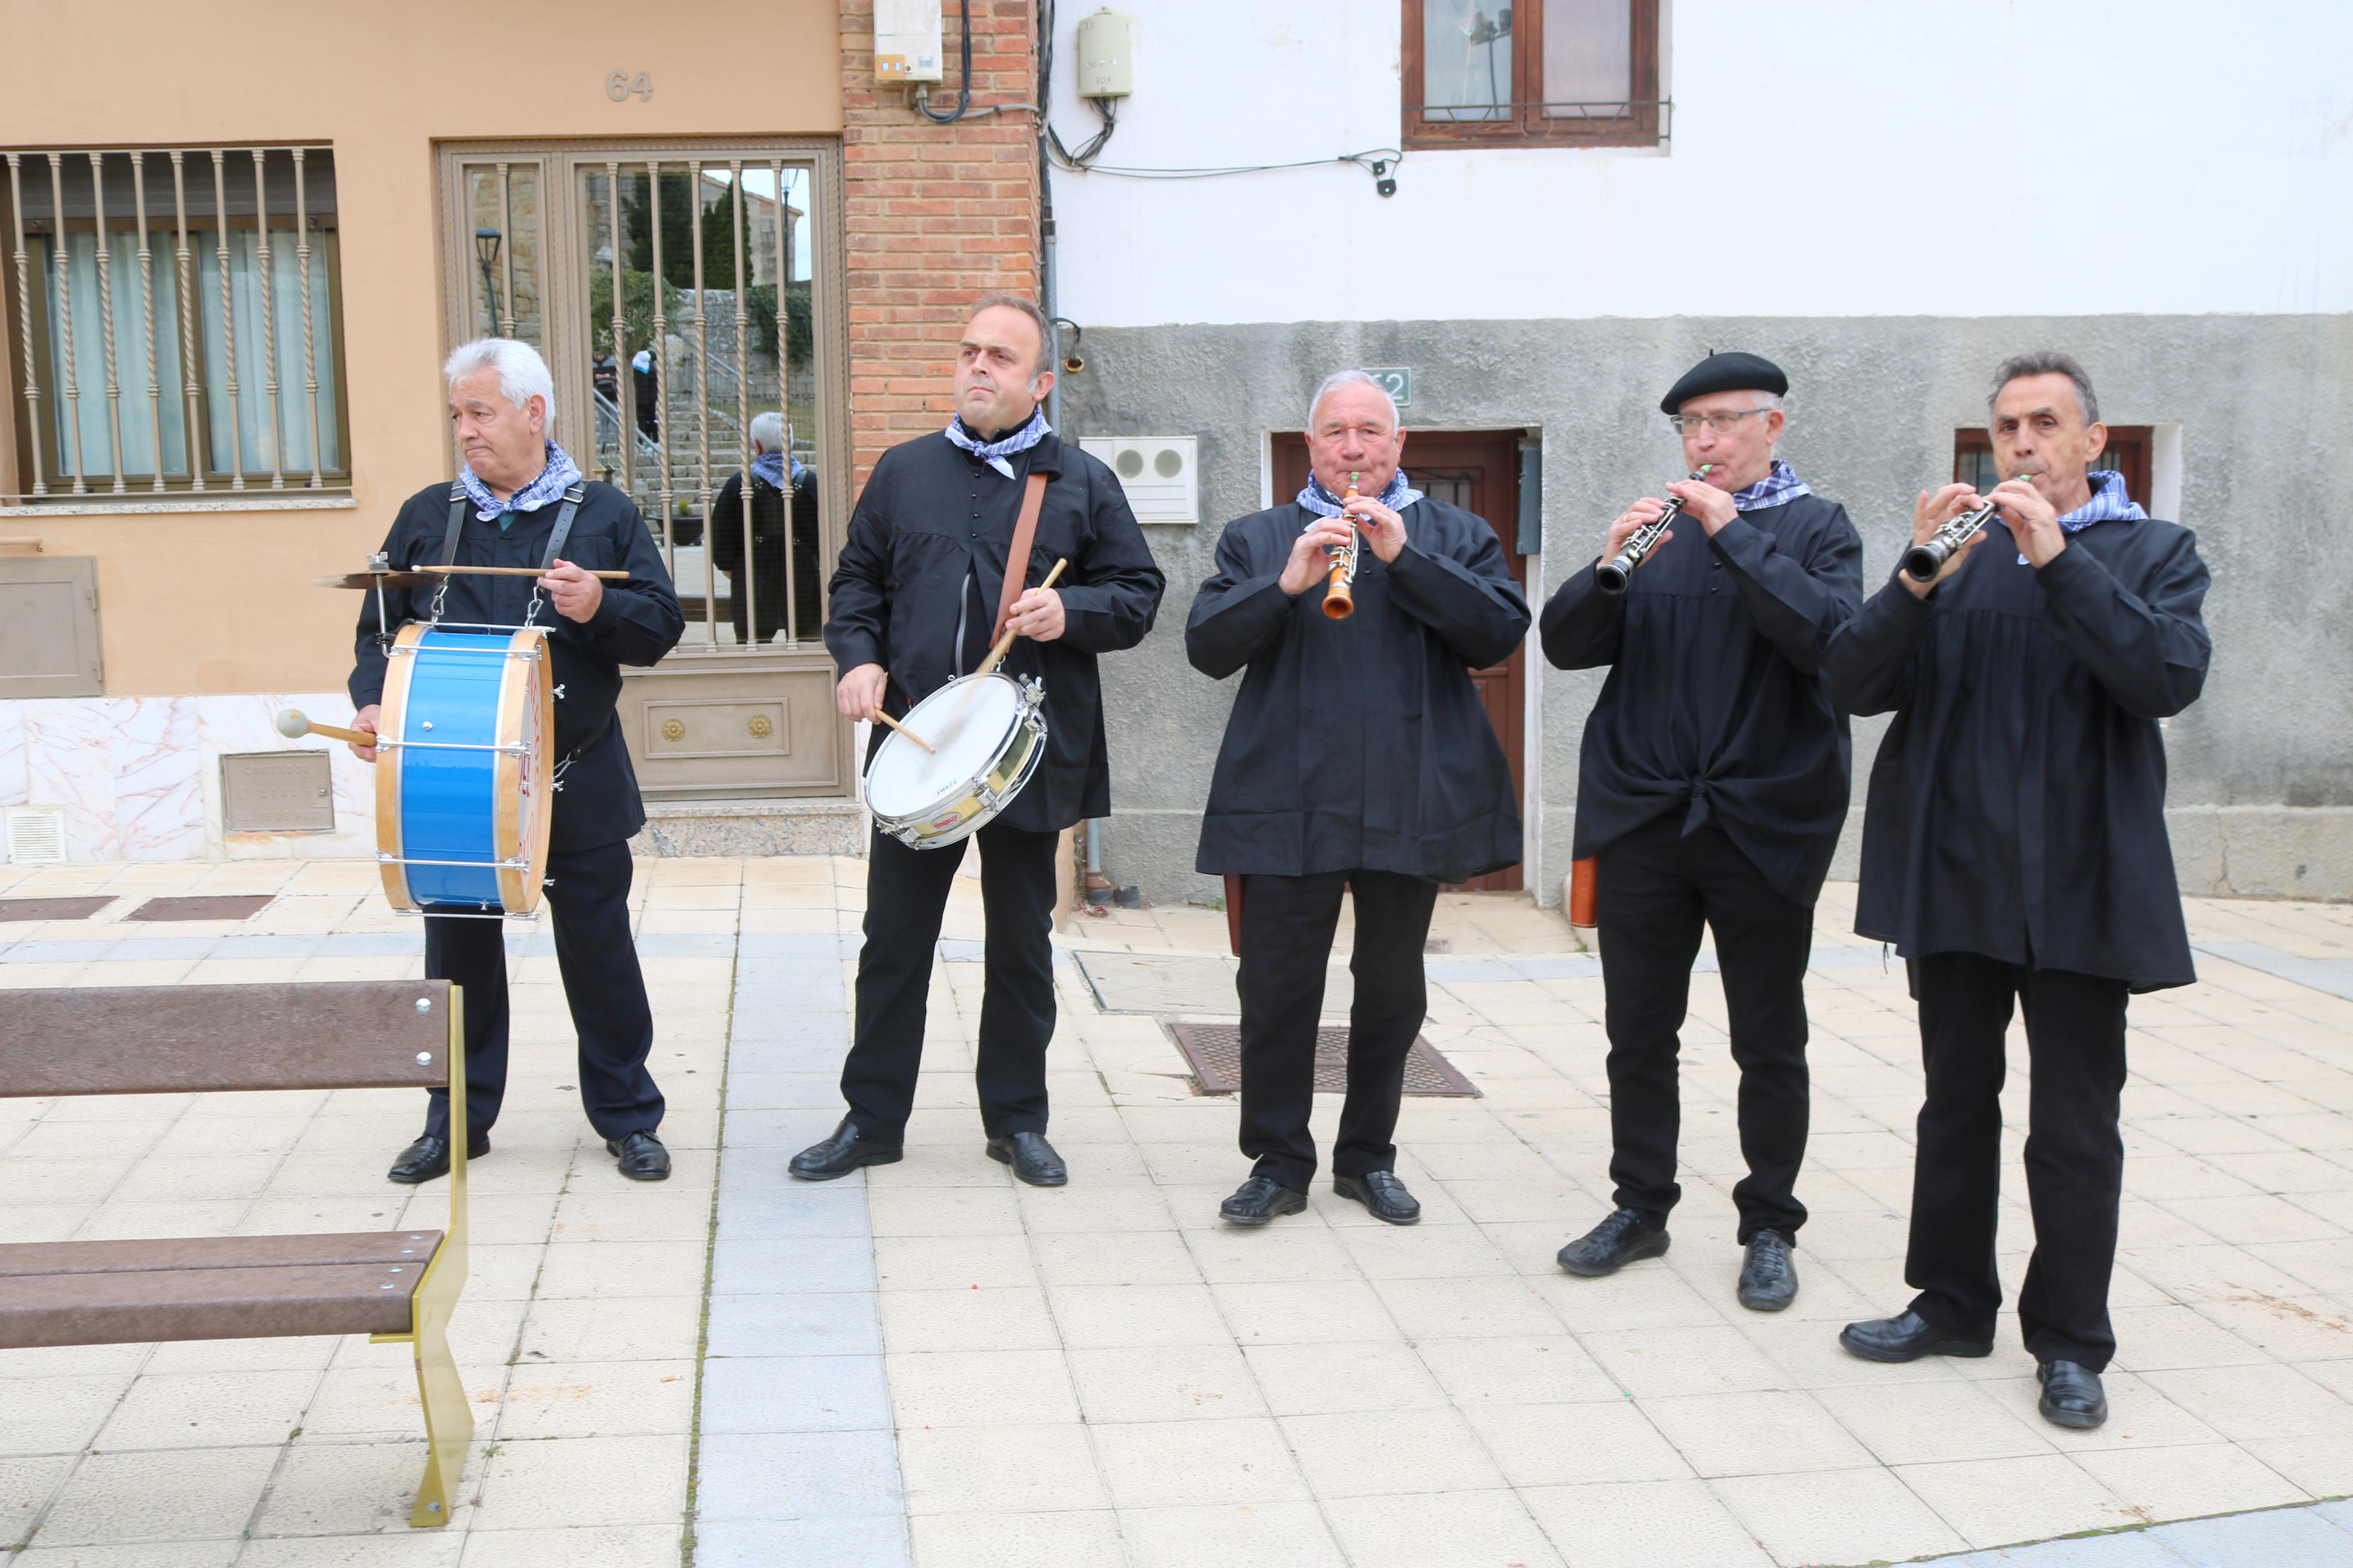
937	214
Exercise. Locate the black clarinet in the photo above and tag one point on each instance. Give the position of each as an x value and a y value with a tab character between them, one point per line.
1923	562
1615	574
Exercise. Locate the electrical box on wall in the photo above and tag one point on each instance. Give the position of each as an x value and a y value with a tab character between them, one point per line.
1106	64
1157	472
906	41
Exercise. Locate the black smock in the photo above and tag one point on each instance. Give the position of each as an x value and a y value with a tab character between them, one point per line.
769	532
1714	705
2016	808
1360	744
925	558
637	623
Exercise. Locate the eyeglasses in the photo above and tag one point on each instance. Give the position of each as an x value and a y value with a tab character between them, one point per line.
1722	424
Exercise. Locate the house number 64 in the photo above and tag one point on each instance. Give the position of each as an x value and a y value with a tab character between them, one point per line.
621	84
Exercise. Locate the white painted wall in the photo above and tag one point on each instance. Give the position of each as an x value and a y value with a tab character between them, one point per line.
1829	157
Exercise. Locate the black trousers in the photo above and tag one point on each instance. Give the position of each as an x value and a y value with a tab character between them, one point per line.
1658	886
1288	924
907	895
587	902
2074	1151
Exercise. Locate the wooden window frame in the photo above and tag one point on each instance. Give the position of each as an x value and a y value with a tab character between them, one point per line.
1644	123
2130	451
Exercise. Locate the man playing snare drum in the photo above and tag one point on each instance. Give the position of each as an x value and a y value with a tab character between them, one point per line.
916	601
517	493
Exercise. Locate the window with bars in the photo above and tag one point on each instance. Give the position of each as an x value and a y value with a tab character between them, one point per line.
1540	73
175	322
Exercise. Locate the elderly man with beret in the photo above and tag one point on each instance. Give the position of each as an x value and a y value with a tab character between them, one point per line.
1711	790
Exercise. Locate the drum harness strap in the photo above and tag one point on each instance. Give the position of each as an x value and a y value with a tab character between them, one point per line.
1017	567
555	540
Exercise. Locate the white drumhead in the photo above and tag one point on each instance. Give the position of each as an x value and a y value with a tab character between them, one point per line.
966	721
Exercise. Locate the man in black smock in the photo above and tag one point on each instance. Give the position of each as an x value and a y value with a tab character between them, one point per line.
1710	790
2014	851
515	492
1357	757
915	598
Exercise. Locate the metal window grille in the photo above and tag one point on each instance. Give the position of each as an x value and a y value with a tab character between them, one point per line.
175	321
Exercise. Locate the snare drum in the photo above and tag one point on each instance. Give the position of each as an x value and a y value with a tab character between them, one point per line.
989	736
462	787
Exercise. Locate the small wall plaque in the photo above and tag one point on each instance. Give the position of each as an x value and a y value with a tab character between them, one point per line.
278	792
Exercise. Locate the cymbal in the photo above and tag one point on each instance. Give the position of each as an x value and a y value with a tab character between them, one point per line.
378	580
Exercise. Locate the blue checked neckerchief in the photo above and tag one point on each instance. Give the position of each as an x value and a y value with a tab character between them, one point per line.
2110	502
1779	488
559	475
1321	502
770	468
994	453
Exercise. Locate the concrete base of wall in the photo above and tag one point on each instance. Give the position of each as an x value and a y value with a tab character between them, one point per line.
733	828
2263	851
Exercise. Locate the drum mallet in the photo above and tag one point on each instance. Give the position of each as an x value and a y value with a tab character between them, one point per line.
294	725
1004	644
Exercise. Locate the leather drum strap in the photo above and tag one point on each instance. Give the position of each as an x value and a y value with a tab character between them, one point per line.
1017	559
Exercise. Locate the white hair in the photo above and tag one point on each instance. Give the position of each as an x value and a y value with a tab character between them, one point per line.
1340	378
768	431
522	374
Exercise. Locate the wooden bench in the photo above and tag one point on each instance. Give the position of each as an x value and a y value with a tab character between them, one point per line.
397	1287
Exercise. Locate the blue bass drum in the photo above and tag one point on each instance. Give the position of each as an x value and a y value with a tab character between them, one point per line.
463	791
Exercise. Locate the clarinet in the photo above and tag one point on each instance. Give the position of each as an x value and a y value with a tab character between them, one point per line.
1339	597
1614	575
1923	562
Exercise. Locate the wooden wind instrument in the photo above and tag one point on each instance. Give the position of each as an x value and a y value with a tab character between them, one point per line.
1339	583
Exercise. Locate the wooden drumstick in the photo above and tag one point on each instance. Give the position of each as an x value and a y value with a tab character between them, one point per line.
294	725
885	718
514	572
996	654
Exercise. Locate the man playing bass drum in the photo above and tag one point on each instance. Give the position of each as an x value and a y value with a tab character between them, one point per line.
2014	851
1712	787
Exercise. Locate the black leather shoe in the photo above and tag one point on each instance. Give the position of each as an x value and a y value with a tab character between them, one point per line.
841	1153
2072	1395
1768	1280
1032	1158
1259	1200
1624	1237
1382	1193
643	1158
1907	1336
429	1157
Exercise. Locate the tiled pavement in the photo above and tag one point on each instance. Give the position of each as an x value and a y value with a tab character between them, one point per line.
935	1365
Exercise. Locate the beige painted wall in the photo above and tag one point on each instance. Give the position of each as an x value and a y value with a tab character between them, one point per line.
216	602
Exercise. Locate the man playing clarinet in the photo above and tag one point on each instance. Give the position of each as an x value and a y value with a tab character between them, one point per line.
947	539
1710	790
2014	851
1356	758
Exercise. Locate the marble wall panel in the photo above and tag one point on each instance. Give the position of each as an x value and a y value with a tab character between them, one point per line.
159	805
69	756
11	754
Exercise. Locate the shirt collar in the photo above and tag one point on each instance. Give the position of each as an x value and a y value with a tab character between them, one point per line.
1322	502
560	474
1779	487
995	453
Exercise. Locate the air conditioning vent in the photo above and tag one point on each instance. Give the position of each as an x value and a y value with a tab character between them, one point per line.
37	835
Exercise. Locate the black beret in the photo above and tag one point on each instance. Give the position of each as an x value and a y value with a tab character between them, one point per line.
1724	373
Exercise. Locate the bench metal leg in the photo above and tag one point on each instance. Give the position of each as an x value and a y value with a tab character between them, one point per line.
449	1421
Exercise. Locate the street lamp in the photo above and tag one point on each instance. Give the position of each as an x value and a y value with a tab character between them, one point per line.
486	252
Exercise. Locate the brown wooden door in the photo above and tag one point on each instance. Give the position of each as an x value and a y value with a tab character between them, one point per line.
1479	472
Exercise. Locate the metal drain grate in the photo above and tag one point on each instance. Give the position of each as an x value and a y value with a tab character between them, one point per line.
1215	1053
52	908
203	907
